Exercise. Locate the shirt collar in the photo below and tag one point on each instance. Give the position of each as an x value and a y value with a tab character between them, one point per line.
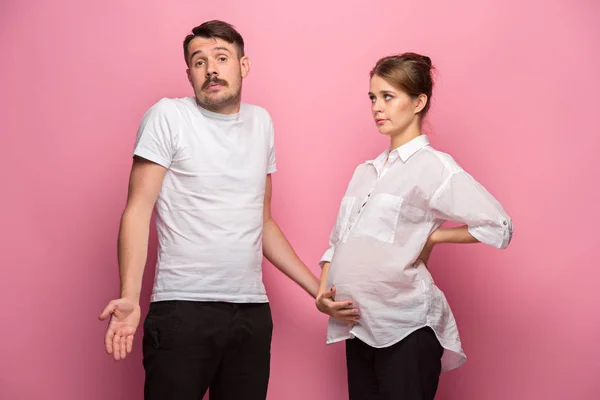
407	150
403	152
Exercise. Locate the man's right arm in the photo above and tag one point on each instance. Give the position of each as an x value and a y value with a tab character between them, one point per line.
144	186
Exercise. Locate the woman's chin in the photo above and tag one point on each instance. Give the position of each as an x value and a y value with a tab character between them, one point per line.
384	131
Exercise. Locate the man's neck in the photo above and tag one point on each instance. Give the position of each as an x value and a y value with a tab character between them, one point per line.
226	109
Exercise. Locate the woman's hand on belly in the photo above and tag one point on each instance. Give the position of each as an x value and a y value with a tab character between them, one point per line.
340	310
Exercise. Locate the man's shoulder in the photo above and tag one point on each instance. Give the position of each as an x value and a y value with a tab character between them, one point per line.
170	106
174	103
256	111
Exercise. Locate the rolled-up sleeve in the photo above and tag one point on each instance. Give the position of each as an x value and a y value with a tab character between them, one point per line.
328	255
462	199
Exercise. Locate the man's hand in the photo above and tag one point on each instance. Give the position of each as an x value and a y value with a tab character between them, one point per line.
340	310
124	319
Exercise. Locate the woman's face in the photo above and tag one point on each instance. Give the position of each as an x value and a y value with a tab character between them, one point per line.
393	110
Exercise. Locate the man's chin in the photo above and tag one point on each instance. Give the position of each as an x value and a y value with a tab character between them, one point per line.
215	101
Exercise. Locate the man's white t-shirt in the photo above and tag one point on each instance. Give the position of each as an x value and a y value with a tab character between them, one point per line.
210	207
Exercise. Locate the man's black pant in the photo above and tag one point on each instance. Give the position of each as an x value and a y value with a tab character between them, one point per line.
192	346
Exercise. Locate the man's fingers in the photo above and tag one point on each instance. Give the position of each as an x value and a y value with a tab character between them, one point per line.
110	308
117	346
108	340
129	343
123	346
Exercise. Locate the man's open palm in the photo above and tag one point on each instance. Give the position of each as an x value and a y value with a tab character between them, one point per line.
124	319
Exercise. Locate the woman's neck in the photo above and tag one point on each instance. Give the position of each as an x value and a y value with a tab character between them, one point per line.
405	136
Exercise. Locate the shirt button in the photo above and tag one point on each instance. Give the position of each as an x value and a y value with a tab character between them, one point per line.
505	223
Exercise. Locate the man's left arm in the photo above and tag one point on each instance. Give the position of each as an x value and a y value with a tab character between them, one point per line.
279	252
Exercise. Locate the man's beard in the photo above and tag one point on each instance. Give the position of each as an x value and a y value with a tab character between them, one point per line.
220	101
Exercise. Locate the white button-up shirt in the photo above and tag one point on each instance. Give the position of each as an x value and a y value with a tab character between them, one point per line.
389	210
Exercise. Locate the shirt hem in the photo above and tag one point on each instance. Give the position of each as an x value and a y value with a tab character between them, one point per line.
208	298
451	366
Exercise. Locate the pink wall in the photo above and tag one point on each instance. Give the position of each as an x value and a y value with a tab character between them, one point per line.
516	104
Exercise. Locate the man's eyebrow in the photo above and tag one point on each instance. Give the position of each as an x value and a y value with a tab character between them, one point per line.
220	48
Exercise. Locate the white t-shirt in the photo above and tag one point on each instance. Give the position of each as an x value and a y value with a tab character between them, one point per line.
210	206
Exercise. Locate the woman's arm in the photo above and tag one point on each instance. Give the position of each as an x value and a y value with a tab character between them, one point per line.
459	234
464	200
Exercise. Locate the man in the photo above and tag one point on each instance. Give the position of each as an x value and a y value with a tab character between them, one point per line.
205	164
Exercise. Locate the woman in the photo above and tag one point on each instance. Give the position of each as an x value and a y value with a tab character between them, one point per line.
388	223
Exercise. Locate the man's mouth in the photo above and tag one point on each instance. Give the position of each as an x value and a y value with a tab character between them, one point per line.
214	84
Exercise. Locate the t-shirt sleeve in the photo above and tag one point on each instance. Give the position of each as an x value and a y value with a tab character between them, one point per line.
155	137
272	167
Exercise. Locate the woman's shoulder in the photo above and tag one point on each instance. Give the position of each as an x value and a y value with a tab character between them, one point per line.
440	159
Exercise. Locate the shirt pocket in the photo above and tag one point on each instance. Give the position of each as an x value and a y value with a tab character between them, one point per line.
343	217
380	218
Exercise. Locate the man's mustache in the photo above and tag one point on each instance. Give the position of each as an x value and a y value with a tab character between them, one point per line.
214	79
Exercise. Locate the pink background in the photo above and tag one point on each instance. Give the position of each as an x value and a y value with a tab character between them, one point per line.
515	103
